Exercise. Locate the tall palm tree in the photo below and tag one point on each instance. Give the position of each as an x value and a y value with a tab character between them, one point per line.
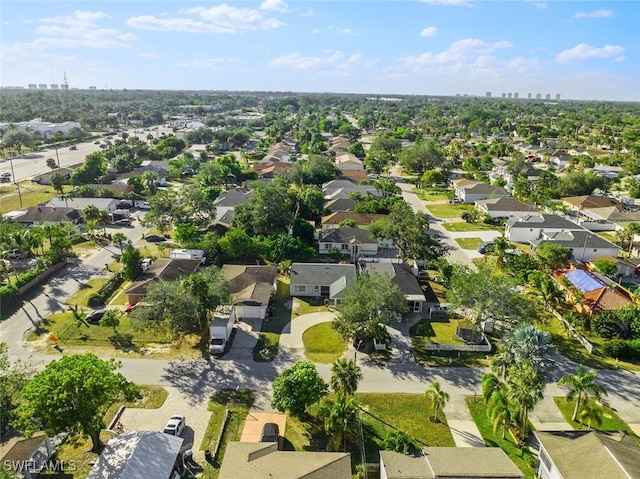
342	423
438	399
502	413
500	247
582	386
525	388
345	376
528	342
491	385
544	288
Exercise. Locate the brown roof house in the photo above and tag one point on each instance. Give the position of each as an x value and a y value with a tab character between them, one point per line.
586	454
251	460
166	269
449	463
38	215
251	288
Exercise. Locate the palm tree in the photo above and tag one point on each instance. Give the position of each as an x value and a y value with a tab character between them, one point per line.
591	413
65	197
525	389
345	376
544	288
500	247
582	386
120	239
491	385
528	342
501	412
342	423
438	399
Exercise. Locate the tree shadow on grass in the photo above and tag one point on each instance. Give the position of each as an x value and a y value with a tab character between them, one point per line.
123	342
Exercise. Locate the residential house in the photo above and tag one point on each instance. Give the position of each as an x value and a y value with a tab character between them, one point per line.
587	202
624	268
138	455
340	143
362	220
251	288
337	189
45	178
459	184
38	215
341	205
609	172
272	169
583	244
449	463
584	454
355	176
504	208
560	159
608	219
23	457
522	229
321	280
259	460
404	276
354	242
597	293
223	220
481	191
107	204
348	161
233	197
166	269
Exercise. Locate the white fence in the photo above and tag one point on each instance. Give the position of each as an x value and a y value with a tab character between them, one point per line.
483	348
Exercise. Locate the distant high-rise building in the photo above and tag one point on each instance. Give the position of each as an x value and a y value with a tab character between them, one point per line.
504	95
538	96
558	96
92	88
54	86
42	86
33	86
547	96
488	94
529	96
516	95
509	95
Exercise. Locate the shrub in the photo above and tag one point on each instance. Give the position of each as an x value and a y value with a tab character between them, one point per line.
623	349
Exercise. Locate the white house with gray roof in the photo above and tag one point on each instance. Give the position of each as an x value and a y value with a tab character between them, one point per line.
584	245
499	208
321	280
524	229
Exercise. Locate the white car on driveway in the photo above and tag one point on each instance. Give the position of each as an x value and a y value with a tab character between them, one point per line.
175	426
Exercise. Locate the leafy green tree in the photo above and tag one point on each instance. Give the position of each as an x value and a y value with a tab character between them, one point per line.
298	387
72	395
131	259
51	163
370	301
209	288
111	319
342	423
237	244
399	441
544	288
269	210
94	166
606	267
438	399
120	239
552	255
345	376
431	177
582	386
17	139
422	157
13	377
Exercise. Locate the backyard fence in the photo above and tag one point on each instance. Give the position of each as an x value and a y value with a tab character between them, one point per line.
483	348
574	333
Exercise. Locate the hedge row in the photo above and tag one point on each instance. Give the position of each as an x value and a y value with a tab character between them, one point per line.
106	291
622	348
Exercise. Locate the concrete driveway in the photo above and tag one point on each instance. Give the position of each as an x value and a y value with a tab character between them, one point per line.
196	415
291	337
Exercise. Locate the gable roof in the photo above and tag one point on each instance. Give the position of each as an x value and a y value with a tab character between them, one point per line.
363	219
342	204
604	299
48	214
348	235
505	204
353	175
250	283
582	239
233	197
324	274
485	189
580	454
166	269
543	221
402	275
591	201
138	455
249	460
82	203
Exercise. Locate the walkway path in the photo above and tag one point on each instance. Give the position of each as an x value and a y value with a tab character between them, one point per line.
463	429
291	338
547	417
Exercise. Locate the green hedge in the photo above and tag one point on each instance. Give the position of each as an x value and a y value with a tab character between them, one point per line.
622	348
106	291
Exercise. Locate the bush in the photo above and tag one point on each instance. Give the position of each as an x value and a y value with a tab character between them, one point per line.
607	326
622	349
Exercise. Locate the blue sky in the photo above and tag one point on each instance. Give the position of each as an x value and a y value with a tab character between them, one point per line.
582	50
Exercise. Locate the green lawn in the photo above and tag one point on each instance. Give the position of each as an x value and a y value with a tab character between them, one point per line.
463	226
433	194
266	348
469	243
32	195
85	290
151	397
610	421
449	211
322	344
479	414
572	349
307	305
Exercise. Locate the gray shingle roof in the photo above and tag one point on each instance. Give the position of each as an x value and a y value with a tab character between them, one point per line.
348	235
543	221
323	274
47	214
575	239
402	275
249	282
506	204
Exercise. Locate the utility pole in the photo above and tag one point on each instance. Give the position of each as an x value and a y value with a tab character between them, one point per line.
57	157
14	180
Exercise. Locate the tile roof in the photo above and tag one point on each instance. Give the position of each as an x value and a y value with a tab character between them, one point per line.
506	204
591	201
604	299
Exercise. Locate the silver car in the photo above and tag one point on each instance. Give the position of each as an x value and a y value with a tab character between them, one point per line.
175	426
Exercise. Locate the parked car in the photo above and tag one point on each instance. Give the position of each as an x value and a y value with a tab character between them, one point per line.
96	142
94	317
270	432
485	247
124	222
103	145
14	254
455	201
73	147
154	238
130	307
175	426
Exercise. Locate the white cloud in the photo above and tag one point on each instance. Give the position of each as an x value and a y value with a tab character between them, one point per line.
341	31
315	31
77	18
308	13
460	51
334	61
274	5
586	52
451	3
619	59
150	56
541	5
219	19
593	14
429	32
207	62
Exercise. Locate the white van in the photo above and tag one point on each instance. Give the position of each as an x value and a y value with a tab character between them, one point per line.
179	253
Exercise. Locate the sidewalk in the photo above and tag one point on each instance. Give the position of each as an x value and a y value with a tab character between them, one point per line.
547	417
463	429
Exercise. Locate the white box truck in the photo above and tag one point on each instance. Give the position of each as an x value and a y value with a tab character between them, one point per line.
179	253
221	329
